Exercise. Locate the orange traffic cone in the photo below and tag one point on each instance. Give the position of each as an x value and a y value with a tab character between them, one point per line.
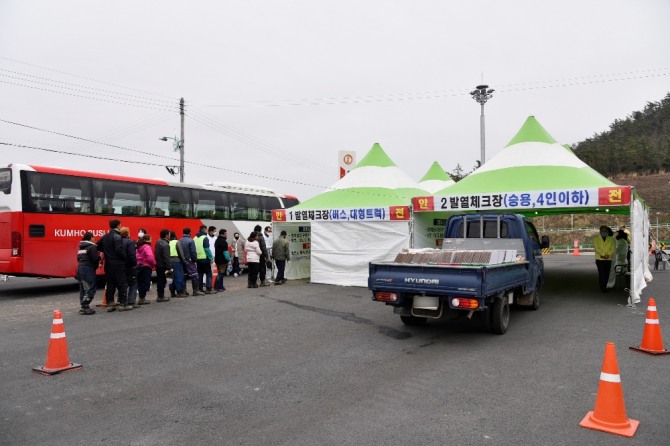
57	358
102	304
652	341
609	414
576	252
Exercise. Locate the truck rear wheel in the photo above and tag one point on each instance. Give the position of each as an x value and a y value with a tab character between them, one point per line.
413	320
536	297
500	319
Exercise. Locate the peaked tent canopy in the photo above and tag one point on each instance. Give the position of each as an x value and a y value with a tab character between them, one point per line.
375	181
435	179
532	160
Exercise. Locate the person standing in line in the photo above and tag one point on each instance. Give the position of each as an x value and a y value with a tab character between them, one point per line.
604	246
88	259
238	250
146	262
269	240
253	251
163	264
281	254
211	236
221	258
204	259
111	246
177	287
262	268
130	250
190	256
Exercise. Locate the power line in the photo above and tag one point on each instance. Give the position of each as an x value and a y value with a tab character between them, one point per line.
234	133
438	94
84	139
84	97
82	77
51	82
132	127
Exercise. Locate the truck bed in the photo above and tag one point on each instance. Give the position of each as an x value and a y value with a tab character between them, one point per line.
464	280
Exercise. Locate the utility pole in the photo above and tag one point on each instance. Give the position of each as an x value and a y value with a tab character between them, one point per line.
178	145
481	94
181	142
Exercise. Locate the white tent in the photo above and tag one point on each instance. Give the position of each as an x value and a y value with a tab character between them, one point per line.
363	217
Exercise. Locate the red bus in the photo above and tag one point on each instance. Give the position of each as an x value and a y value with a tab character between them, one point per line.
44	212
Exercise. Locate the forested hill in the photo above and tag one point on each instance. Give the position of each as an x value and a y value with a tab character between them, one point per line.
638	144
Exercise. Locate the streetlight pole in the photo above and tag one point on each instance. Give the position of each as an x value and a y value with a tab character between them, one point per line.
657	242
178	145
481	94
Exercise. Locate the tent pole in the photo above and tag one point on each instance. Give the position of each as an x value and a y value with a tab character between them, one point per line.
411	226
631	271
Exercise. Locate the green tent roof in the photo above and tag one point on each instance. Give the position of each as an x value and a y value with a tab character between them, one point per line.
533	160
375	157
531	131
374	181
436	172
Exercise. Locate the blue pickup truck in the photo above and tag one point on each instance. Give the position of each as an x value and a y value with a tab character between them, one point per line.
487	262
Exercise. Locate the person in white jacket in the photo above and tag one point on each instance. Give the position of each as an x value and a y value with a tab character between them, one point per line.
254	253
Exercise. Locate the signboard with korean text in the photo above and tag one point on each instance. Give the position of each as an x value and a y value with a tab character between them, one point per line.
521	201
299	243
383	213
428	232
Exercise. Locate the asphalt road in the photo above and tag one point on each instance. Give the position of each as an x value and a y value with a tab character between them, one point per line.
309	364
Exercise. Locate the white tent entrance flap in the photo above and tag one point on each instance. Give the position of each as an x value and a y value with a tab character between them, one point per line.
341	251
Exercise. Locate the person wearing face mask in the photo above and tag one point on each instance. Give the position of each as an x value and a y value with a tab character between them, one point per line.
238	249
605	247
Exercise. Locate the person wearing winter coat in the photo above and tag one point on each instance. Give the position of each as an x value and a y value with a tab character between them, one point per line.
238	251
111	247
262	267
281	254
221	259
130	250
146	262
88	259
163	264
254	256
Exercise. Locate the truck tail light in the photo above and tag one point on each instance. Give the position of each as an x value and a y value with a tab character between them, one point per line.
16	244
462	302
385	296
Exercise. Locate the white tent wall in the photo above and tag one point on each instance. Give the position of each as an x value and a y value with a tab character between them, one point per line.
341	251
639	259
299	241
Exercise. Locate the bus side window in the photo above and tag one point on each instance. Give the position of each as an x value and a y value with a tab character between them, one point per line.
43	205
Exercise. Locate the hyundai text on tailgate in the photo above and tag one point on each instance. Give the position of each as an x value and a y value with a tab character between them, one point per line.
487	263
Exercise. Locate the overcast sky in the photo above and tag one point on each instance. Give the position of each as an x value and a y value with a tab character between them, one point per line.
274	89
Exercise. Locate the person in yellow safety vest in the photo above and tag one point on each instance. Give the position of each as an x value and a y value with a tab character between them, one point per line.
178	286
605	247
204	259
624	229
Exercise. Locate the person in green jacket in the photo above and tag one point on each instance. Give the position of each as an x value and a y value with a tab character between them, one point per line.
604	246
